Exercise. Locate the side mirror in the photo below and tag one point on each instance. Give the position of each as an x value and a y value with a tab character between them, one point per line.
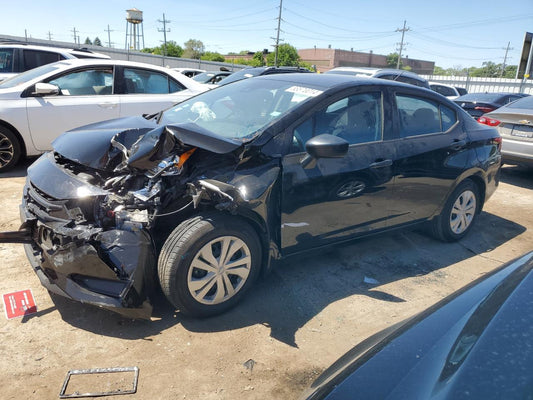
324	146
45	89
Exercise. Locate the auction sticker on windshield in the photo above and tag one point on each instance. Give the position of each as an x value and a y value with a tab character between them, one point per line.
308	92
19	303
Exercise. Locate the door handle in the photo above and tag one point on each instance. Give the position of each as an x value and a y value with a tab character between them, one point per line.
381	164
107	105
458	144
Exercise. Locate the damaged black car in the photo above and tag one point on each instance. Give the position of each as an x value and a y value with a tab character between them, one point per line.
201	198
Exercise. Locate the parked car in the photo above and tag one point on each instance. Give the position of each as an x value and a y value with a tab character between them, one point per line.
211	77
189	72
477	104
515	125
449	91
398	75
39	104
17	58
475	344
204	195
258	71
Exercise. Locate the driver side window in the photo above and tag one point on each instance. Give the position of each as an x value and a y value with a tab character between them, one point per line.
357	119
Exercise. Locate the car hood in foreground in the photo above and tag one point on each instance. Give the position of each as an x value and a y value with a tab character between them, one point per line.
477	344
135	142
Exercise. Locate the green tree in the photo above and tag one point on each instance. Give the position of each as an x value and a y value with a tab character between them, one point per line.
97	41
193	49
287	56
173	49
213	56
392	60
88	41
510	71
258	60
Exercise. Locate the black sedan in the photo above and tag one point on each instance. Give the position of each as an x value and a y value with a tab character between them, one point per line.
476	344
203	196
477	104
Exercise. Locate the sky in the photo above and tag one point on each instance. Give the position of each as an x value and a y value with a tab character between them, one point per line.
451	33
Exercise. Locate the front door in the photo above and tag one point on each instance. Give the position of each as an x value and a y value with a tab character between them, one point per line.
338	198
85	97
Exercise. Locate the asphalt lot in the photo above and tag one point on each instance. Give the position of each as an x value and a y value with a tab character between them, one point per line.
296	322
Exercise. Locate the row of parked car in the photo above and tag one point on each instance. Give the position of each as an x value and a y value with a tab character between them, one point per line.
202	196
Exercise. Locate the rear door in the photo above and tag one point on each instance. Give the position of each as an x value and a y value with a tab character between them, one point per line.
339	198
431	154
145	91
86	96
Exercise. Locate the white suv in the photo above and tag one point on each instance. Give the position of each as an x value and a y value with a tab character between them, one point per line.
17	58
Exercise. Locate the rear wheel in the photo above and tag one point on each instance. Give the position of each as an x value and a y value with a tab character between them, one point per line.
208	263
10	149
459	213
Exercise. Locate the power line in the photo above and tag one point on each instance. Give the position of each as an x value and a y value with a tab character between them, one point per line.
164	30
505	58
403	30
277	33
108	30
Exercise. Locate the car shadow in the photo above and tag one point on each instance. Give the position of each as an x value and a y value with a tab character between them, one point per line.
20	170
299	288
517	176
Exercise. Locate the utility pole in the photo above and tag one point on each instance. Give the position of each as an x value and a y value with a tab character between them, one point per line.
277	34
108	30
164	30
401	43
505	58
75	36
49	35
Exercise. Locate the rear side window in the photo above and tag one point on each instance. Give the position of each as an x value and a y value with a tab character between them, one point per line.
36	58
150	82
6	60
421	116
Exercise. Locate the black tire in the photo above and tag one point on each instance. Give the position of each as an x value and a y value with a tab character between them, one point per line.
459	213
199	292
10	149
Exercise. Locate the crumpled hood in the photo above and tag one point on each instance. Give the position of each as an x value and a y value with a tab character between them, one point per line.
136	143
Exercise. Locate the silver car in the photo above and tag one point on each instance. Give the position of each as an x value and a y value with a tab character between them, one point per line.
515	125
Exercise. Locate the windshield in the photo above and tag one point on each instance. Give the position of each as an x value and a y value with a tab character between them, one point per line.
243	109
28	76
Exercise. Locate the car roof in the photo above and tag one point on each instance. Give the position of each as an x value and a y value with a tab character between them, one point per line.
62	50
327	81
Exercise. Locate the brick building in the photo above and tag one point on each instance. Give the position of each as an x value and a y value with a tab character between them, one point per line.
326	59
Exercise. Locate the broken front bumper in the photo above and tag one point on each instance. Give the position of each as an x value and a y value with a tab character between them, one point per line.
113	269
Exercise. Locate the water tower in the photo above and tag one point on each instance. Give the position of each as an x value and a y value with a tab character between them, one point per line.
134	29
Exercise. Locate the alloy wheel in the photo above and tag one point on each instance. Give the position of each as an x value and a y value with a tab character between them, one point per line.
7	151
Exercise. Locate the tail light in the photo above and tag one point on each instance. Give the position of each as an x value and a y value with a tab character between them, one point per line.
484	109
488	121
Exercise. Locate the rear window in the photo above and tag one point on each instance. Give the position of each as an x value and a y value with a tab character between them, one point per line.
526	102
486	97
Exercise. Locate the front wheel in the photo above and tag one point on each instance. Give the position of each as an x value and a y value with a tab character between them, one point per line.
208	263
459	213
